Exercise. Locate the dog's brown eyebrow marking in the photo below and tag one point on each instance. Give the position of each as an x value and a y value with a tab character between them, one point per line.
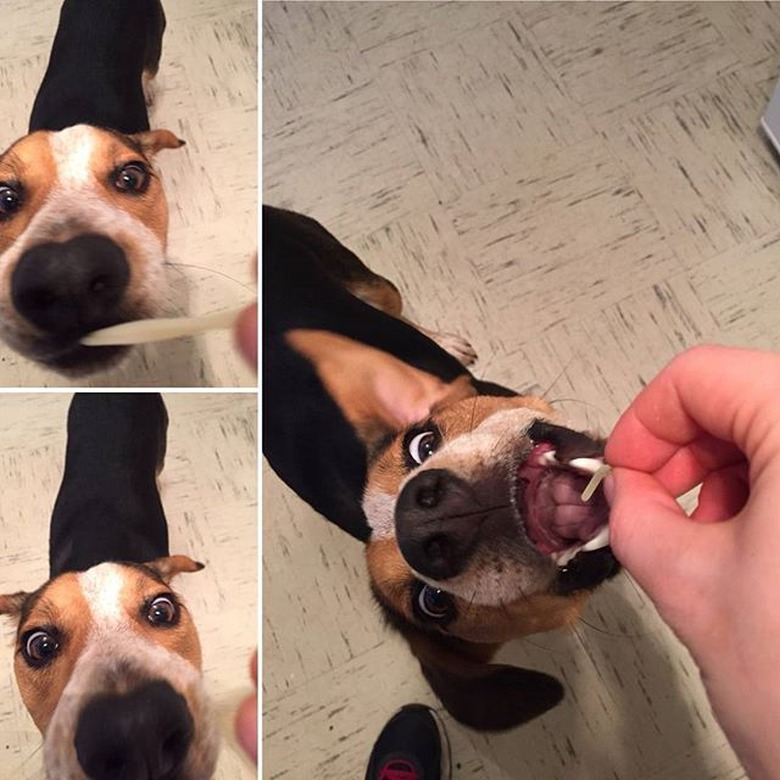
126	141
10	154
147	572
30	603
380	448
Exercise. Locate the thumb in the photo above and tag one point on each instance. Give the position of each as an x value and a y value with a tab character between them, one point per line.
649	532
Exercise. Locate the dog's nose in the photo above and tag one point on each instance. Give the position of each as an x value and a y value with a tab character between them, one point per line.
437	523
140	735
71	287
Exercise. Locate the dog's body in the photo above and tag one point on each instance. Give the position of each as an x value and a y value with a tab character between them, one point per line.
466	494
108	659
83	217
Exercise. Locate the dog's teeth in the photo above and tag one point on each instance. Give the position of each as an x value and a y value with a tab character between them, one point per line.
590	465
601	539
563	557
548	458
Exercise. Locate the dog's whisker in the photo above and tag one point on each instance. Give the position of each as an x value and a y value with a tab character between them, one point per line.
558	377
480	511
214	271
473	412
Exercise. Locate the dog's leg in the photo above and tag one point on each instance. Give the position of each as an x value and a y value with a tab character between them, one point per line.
153	52
456	345
382	294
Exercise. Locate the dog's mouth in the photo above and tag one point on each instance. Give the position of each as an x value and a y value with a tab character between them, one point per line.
571	530
558	521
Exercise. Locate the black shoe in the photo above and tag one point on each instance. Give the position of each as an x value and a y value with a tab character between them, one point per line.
410	747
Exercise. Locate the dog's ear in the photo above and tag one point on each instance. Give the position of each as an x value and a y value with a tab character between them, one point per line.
12	603
171	565
152	141
479	694
376	392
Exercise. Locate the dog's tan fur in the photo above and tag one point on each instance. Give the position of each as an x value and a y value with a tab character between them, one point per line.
65	183
107	646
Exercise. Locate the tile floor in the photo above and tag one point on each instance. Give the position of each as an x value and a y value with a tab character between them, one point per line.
207	94
583	190
209	491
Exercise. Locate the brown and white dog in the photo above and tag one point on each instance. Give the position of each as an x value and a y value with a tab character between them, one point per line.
108	660
467	495
83	215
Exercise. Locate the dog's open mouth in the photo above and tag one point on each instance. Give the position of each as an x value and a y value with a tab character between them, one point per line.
548	492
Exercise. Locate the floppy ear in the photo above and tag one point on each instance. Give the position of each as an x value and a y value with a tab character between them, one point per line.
12	603
152	141
478	694
168	567
376	392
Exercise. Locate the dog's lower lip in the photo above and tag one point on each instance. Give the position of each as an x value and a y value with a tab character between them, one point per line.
64	351
80	358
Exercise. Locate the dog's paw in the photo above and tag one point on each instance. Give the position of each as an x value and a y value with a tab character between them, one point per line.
457	346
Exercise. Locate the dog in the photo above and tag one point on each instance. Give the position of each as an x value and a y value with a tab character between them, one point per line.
466	494
83	215
108	660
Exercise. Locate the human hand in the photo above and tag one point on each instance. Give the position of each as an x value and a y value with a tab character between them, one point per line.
246	717
246	334
711	416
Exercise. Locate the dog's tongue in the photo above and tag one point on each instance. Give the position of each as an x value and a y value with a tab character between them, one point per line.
556	515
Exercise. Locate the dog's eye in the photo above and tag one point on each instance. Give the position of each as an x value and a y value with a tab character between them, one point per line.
420	445
132	178
162	611
10	200
39	647
434	604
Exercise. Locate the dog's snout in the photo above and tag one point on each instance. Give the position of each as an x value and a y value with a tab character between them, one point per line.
71	287
140	735
436	524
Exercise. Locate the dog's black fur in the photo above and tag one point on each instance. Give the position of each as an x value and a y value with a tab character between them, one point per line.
96	62
108	507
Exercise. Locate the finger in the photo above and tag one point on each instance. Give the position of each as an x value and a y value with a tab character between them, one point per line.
723	494
246	726
246	334
253	668
703	391
647	527
688	465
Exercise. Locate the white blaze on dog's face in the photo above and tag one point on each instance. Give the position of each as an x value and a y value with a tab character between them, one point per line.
108	631
57	186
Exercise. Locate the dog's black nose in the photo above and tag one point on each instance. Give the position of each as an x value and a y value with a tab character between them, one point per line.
437	523
140	735
71	287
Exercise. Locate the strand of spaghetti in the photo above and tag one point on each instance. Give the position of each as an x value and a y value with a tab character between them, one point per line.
159	329
598	477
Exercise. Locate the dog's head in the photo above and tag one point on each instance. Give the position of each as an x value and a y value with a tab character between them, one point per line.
83	231
477	522
108	663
